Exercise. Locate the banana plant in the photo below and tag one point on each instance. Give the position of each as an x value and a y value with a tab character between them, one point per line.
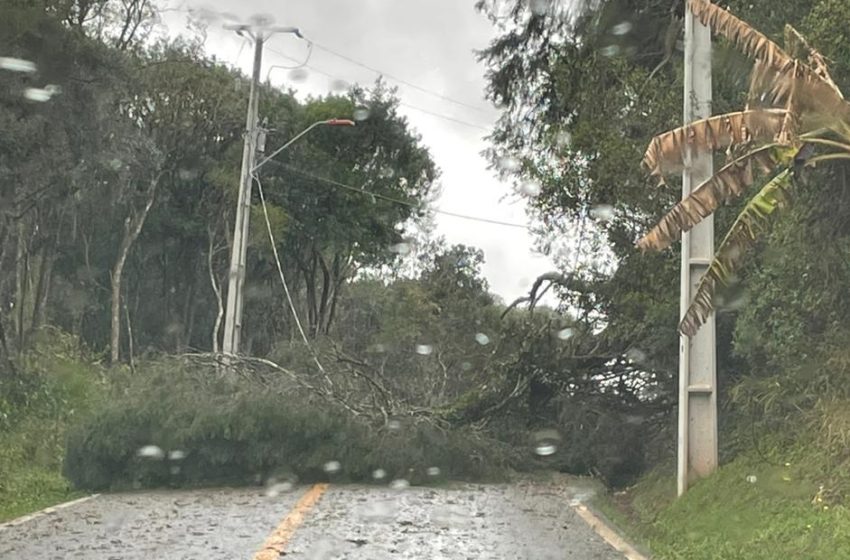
795	117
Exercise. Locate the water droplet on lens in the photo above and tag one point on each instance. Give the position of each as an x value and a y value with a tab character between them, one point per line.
399	484
622	28
539	7
752	479
602	212
433	471
610	50
176	455
635	355
545	449
298	75
116	164
379	474
174	470
564	139
36	94
275	489
509	163
565	334
261	20
361	113
332	467
530	188
401	248
387	173
339	85
482	339
150	452
466	366
394	425
424	349
16	64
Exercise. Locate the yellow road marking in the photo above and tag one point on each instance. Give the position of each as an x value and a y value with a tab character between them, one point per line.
281	536
610	536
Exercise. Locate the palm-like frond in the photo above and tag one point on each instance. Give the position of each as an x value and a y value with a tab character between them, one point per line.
666	152
750	224
727	183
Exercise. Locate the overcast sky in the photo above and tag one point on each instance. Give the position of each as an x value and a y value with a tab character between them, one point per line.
429	43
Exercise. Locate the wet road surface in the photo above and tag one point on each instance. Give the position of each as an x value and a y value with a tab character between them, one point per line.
455	522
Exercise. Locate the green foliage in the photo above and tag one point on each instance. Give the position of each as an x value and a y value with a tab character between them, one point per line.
233	430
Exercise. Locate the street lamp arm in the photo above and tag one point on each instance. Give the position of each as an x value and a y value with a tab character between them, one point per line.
330	122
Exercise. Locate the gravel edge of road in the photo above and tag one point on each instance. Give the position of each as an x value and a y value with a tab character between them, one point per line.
610	532
46	511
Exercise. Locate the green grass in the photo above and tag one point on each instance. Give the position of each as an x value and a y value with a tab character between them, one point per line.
27	490
727	517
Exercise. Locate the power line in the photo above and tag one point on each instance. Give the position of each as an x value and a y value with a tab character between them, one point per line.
397	79
402	103
393	199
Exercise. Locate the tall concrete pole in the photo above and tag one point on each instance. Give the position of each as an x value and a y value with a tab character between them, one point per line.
697	355
239	249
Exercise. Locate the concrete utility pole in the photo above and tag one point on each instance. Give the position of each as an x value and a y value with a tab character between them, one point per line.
697	355
239	250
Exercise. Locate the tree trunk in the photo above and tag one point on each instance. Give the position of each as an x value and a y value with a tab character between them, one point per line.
132	228
217	290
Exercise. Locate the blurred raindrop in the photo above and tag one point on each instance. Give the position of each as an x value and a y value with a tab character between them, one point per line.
424	349
174	469
508	163
361	113
433	471
261	20
379	474
332	467
37	94
399	484
150	452
539	7
564	139
116	164
187	174
298	75
635	355
339	85
545	449
16	64
394	425
602	212
752	479
466	366
177	455
610	50
622	28
386	173
530	188
546	442
565	334
275	488
402	248
482	339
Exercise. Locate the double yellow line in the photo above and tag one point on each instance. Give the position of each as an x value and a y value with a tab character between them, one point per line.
277	541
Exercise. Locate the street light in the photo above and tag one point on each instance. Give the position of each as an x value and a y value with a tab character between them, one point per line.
328	122
233	311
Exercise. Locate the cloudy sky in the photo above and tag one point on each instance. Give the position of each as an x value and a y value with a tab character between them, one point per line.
430	45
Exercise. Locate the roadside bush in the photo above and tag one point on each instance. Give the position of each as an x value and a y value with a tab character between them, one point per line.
174	423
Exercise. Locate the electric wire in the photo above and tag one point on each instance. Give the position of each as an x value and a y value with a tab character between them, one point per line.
393	199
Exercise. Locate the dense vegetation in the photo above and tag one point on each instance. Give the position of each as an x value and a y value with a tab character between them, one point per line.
115	215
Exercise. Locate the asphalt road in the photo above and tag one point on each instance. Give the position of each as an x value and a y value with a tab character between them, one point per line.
455	522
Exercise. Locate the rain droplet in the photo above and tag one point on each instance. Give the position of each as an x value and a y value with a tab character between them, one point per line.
298	75
394	425
379	474
610	50
466	366
530	188
275	489
150	452
482	339
508	163
399	484
545	449
424	349
115	164
174	470
261	20
387	173
177	455
187	174
361	113
339	85
401	248
16	64
37	94
433	471
622	28
564	139
635	355
602	212
565	334
332	467
379	348
752	479
539	7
